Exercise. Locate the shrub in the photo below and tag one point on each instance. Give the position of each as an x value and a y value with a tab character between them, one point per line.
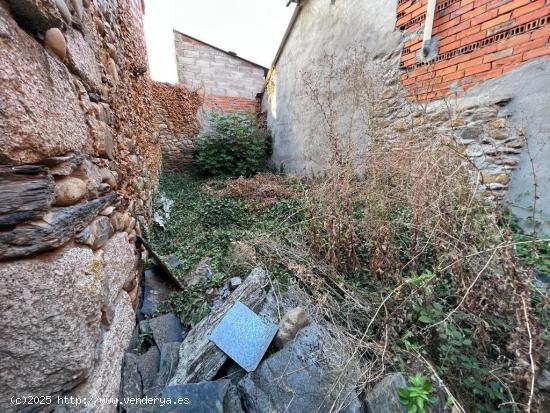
237	146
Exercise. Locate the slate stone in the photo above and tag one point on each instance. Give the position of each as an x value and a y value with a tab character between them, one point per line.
207	397
471	133
384	398
235	282
169	357
53	230
26	193
130	385
174	261
144	327
36	15
148	367
166	329
156	289
301	378
233	372
200	358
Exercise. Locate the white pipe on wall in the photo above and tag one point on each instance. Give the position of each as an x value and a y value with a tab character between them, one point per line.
428	27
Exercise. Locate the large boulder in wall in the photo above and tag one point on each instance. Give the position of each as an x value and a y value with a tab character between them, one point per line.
50	323
104	380
40	113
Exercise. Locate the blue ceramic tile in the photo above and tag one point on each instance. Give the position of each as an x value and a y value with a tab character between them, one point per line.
244	336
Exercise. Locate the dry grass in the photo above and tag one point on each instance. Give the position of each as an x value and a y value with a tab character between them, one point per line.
412	233
266	188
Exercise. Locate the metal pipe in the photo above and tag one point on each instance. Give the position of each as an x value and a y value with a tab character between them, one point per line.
428	27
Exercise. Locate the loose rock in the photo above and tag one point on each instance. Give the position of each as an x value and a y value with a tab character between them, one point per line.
302	378
208	397
69	191
169	357
201	273
200	359
166	329
148	367
292	322
55	41
384	397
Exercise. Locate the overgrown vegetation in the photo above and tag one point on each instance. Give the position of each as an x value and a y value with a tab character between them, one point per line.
417	395
420	269
236	146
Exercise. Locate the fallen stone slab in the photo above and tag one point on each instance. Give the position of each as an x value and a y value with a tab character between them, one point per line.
148	367
201	359
166	329
208	397
303	377
169	358
130	386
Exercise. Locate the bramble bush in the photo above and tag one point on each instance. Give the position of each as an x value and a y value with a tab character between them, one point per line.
237	146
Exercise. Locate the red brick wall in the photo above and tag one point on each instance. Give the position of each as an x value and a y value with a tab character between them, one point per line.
478	40
231	104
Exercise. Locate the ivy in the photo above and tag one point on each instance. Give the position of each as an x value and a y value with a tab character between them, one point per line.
237	146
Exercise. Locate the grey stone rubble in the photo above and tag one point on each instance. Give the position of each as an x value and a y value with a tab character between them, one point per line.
306	380
200	359
308	369
383	397
153	354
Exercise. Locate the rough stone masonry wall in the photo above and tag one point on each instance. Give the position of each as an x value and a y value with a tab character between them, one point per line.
476	40
502	123
228	82
78	165
176	108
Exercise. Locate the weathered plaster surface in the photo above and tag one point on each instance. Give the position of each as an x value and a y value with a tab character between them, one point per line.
321	28
529	109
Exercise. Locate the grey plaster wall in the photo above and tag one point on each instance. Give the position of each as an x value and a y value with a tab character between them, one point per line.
322	28
218	73
528	86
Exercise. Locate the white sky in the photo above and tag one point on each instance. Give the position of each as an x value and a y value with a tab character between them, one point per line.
251	28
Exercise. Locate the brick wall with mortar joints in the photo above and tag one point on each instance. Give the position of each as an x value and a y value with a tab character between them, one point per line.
223	78
477	40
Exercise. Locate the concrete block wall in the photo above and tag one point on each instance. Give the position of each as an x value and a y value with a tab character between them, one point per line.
477	40
229	83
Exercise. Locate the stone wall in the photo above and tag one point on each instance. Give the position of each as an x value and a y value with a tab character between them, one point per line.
499	123
78	165
176	109
229	82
